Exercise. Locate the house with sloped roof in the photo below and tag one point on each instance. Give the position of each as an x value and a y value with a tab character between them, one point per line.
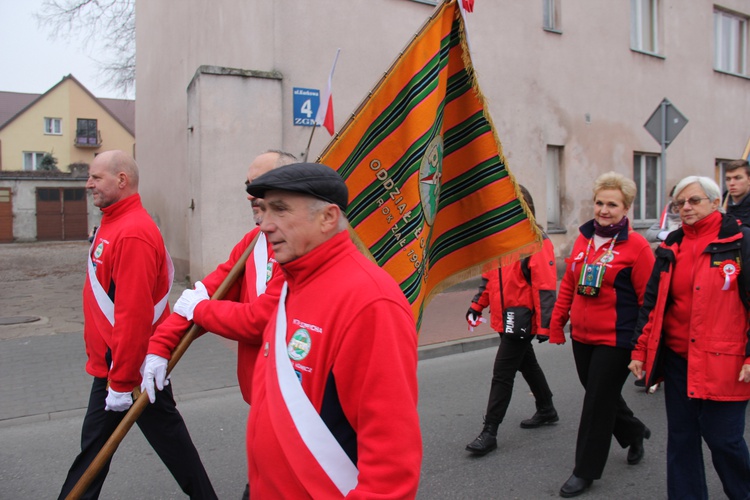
71	125
67	121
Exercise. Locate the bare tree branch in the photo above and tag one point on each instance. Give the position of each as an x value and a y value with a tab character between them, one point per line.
108	25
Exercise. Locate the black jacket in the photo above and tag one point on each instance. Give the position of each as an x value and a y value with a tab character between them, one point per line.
741	210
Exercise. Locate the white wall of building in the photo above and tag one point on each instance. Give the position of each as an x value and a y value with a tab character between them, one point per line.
583	89
23	192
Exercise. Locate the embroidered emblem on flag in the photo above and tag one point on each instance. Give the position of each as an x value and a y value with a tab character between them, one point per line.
430	195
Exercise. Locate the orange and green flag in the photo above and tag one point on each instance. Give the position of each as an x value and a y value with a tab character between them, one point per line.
430	195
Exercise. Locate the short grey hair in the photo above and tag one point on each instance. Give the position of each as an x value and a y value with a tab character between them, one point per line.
709	187
316	205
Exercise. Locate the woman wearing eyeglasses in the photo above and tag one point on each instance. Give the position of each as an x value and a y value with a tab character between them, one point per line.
601	292
693	332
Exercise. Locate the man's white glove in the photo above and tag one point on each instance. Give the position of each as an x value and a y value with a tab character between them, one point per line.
118	401
185	305
154	372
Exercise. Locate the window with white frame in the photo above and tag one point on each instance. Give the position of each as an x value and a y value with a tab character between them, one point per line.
32	160
551	15
646	205
730	42
644	25
553	169
53	126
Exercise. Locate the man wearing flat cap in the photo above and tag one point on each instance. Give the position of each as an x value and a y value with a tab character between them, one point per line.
334	402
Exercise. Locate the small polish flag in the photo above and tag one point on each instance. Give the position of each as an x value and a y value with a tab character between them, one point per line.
325	110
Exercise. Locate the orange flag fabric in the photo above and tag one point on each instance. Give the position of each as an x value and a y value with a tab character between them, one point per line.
430	195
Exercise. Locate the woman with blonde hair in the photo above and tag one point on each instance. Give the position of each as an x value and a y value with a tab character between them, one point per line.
601	292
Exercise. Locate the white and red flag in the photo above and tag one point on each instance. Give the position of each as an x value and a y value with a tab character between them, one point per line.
325	110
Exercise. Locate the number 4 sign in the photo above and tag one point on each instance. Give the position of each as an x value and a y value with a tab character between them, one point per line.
306	103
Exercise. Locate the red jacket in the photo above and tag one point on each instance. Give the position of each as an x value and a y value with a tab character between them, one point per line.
529	283
610	318
239	316
719	327
359	373
130	259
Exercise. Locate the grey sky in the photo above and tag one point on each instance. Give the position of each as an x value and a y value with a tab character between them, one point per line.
31	62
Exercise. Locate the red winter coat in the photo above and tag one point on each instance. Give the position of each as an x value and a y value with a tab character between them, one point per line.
240	316
359	372
719	327
529	283
130	259
610	318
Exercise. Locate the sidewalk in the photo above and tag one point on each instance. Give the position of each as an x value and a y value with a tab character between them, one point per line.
42	353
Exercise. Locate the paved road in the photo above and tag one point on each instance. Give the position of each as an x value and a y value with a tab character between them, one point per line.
44	389
529	464
41	361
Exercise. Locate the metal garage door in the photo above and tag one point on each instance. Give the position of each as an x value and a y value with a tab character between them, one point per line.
61	214
6	216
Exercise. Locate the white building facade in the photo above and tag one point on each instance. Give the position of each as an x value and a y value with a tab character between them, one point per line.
569	84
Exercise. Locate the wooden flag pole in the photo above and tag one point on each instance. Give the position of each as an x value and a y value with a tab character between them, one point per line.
141	400
307	149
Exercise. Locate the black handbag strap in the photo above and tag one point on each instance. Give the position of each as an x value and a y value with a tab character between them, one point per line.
502	292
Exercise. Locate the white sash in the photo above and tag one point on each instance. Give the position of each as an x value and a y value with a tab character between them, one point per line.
260	255
105	303
313	431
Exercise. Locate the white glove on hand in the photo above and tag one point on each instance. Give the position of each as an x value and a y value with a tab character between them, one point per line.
154	372
118	401
185	305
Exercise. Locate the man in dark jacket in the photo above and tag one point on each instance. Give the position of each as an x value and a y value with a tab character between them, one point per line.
736	199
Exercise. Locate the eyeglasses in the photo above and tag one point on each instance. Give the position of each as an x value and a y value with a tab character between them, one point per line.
247	187
693	200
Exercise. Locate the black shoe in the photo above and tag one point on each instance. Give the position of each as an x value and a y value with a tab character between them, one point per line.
540	418
640	382
483	444
574	486
636	451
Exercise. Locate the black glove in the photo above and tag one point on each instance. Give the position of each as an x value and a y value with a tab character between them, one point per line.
542	338
473	313
472	318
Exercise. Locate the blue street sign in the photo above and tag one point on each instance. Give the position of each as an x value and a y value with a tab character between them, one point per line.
306	103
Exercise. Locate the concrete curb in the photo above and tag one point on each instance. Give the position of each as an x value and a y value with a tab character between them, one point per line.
458	346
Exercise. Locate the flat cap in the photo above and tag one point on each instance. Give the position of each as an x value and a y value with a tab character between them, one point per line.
315	179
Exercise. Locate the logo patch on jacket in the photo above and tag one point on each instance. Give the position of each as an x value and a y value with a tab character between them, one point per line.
299	345
726	262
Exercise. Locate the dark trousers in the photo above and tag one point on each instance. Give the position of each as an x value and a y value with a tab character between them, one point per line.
515	356
602	371
720	423
163	427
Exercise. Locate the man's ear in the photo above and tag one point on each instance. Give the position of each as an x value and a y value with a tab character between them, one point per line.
330	216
